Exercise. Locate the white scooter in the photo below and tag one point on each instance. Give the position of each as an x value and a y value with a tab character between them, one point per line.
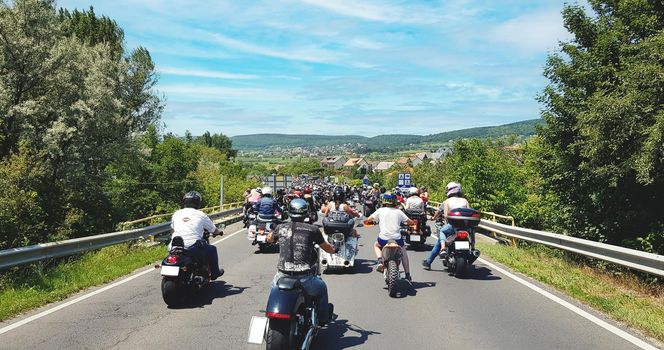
338	228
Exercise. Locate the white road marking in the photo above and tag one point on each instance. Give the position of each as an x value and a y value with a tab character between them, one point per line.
615	330
91	294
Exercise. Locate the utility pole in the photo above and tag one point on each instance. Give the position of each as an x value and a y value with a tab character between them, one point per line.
221	194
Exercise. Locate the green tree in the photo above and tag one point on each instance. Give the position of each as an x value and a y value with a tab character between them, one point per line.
603	142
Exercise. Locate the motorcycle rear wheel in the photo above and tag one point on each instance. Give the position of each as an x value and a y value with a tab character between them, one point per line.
392	277
171	292
460	266
278	335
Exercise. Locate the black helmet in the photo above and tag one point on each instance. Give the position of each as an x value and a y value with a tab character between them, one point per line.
192	199
298	209
339	194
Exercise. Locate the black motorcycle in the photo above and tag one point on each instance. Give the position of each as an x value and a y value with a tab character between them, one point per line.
460	250
182	273
293	316
369	206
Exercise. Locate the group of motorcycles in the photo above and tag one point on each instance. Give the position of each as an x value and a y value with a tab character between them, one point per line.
292	318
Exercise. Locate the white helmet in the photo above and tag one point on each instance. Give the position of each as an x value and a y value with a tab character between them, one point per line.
413	191
267	190
452	188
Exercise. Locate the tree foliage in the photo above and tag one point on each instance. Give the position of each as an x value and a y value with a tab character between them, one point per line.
603	142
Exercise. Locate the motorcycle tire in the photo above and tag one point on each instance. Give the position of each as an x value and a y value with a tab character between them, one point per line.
171	292
262	247
392	277
278	335
460	268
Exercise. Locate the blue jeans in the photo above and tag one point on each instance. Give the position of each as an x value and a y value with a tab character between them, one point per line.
207	253
315	287
443	232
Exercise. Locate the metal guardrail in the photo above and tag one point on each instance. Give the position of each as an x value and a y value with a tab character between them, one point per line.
28	254
635	259
631	258
208	209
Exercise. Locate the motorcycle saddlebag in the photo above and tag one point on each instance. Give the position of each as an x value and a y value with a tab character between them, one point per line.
338	222
463	217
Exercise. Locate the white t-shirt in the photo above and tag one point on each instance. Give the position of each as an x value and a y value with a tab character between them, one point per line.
189	223
389	220
454	203
414	202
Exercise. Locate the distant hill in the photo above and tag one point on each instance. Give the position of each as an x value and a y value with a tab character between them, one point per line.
261	141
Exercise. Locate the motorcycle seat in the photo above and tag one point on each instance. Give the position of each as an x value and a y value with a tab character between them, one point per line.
289	283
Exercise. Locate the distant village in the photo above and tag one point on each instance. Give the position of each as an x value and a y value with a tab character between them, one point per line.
365	166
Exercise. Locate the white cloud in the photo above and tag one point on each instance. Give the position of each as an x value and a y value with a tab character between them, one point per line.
204	73
225	92
376	11
532	32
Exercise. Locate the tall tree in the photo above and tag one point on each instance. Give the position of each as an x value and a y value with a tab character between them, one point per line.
603	140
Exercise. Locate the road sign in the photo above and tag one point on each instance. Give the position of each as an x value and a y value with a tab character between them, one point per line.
366	180
278	181
404	180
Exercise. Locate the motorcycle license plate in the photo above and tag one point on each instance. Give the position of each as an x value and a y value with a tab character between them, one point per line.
415	238
170	270
261	238
462	245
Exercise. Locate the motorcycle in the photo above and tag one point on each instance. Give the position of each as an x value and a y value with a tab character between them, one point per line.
460	249
416	235
369	206
249	217
391	260
292	316
258	231
338	228
181	272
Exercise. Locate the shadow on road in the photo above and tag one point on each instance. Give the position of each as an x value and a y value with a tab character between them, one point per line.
340	334
480	273
216	290
410	288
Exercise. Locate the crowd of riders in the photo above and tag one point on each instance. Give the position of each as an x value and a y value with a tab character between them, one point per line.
297	239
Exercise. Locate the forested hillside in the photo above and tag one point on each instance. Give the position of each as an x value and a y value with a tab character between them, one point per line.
381	142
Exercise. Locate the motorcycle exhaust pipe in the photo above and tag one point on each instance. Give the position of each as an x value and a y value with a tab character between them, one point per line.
476	253
346	262
324	262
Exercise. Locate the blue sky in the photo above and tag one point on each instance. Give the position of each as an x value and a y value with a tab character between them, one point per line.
342	66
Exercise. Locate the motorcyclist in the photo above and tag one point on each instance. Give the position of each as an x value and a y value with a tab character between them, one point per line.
454	201
339	204
191	224
298	256
389	218
309	197
414	202
267	207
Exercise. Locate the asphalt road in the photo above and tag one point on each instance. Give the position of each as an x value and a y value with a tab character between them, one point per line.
487	310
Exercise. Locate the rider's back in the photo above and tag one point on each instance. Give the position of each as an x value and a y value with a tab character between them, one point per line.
296	246
190	223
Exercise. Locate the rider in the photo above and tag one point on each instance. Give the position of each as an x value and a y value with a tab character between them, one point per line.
414	201
191	224
266	207
339	204
298	256
454	201
389	218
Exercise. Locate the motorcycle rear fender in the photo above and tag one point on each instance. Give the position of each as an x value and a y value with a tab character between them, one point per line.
181	261
282	301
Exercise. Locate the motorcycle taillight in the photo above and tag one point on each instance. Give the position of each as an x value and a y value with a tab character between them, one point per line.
278	315
462	235
172	259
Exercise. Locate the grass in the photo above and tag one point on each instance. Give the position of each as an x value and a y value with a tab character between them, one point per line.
27	287
622	296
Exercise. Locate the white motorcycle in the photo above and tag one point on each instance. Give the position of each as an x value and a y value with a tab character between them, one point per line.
338	229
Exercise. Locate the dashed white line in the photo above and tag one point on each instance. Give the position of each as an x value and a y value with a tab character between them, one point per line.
613	329
91	294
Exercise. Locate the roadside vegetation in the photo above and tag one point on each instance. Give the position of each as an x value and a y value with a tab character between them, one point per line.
621	295
35	285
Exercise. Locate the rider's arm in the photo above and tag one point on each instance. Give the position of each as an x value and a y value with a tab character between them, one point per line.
351	212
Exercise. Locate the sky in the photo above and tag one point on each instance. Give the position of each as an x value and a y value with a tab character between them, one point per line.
361	67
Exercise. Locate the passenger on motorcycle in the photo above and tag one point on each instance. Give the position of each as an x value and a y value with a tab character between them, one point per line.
191	224
454	201
266	208
414	201
339	204
389	218
298	256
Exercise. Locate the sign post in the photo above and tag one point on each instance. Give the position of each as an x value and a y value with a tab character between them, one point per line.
404	180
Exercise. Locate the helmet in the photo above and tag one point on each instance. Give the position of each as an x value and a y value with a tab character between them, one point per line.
376	185
453	188
267	191
389	199
298	208
258	190
413	191
339	194
424	189
192	200
307	190
383	190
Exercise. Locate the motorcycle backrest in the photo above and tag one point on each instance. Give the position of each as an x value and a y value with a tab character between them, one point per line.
288	283
415	212
177	242
463	218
